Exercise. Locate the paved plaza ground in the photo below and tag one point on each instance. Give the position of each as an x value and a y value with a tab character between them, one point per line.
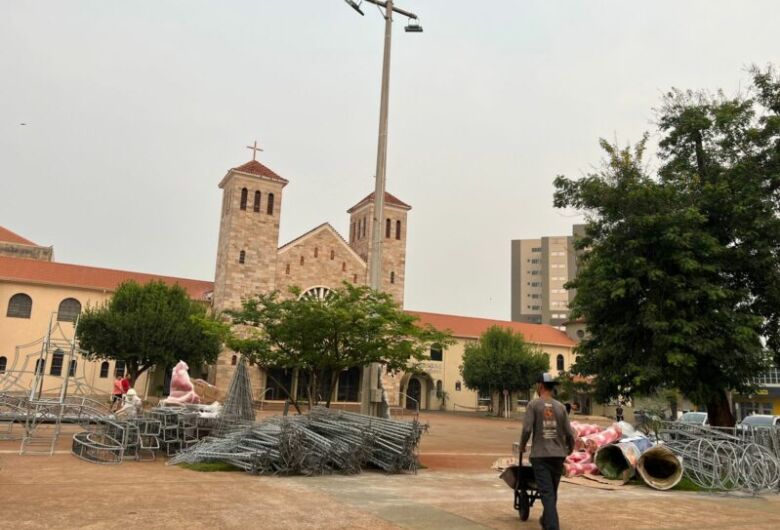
458	490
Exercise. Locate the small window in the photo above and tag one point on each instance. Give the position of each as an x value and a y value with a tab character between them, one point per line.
316	251
332	254
270	201
244	194
343	266
234	360
104	369
69	310
364	227
438	388
3	364
457	386
57	360
398	229
287	269
256	206
559	363
354	278
392	277
302	260
72	368
352	231
436	352
388	228
241	257
19	306
119	368
40	366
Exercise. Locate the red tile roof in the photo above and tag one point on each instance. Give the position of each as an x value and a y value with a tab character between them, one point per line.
389	199
253	167
10	237
470	327
64	274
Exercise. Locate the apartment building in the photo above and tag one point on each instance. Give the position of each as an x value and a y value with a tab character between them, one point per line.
540	269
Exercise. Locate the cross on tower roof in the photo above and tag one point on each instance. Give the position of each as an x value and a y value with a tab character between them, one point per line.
254	149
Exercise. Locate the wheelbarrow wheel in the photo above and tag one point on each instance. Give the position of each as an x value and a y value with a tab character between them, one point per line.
524	507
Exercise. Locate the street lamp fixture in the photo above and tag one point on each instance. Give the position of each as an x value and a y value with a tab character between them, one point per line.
354	5
372	378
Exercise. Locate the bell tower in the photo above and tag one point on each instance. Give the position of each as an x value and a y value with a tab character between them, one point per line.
393	240
248	233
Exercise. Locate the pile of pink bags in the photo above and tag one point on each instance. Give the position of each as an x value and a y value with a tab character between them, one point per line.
589	438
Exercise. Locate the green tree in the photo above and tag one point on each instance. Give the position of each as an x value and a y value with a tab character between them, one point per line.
502	360
353	326
148	325
679	280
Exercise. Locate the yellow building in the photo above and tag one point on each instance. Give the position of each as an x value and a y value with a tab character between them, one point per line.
442	372
36	291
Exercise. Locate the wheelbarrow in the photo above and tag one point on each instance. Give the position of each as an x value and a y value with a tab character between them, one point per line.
521	479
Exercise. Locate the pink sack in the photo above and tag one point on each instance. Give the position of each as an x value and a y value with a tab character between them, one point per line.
579	457
573	470
592	442
584	429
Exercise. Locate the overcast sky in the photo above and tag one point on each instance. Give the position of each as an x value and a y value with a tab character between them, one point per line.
134	111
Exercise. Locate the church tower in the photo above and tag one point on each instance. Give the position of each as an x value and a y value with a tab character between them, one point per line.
393	240
248	233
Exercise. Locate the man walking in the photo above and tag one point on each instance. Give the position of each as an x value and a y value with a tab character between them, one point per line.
547	425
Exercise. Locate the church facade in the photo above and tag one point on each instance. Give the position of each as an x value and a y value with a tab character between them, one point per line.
250	261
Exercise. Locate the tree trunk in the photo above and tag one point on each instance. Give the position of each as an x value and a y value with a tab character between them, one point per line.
700	163
334	377
719	411
286	391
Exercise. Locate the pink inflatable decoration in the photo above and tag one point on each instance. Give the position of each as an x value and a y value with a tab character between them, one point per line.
579	457
182	390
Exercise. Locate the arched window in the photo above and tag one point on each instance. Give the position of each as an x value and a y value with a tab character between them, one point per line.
56	363
392	277
72	368
343	266
241	257
40	366
244	194
316	251
352	232
580	333
3	364
457	386
256	206
19	306
438	388
287	269
104	369
270	201
398	229
388	228
302	260
559	363
119	368
364	227
234	360
69	310
354	278
332	254
436	352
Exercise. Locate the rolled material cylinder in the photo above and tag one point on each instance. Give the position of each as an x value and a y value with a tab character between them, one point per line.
660	468
618	461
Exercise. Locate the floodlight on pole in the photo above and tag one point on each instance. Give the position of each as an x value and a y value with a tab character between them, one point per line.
354	5
371	385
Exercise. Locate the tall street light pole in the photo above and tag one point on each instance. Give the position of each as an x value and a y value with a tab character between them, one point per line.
372	373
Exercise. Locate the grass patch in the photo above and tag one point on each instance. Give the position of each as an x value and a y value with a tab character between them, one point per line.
687	484
208	467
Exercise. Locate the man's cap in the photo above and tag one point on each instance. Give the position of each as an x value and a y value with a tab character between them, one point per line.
547	378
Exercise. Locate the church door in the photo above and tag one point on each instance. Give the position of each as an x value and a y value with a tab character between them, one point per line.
413	394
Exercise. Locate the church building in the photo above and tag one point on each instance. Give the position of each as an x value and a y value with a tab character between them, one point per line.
35	289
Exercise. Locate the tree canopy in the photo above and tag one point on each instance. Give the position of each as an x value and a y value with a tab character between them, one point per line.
353	326
679	276
502	360
148	325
